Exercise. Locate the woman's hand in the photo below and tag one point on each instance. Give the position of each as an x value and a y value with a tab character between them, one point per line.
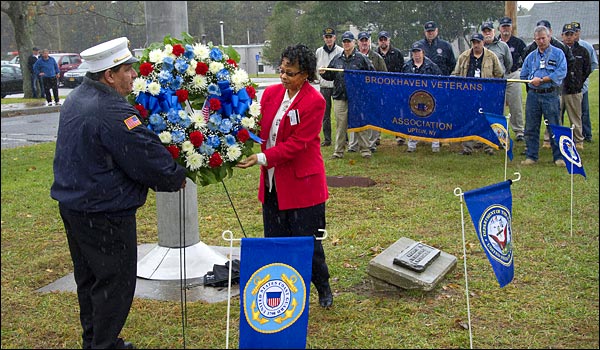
248	162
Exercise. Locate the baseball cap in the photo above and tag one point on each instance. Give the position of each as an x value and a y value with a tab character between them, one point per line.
363	35
545	23
576	26
417	45
347	36
505	21
35	49
328	31
430	26
383	33
487	25
477	36
108	54
568	28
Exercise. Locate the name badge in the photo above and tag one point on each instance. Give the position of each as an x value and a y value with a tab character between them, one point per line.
294	117
542	64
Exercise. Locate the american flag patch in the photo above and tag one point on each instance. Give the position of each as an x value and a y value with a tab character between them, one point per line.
132	122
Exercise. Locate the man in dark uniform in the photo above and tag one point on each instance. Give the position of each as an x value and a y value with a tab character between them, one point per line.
104	164
34	78
438	50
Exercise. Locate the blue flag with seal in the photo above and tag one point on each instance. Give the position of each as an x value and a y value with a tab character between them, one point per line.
424	107
499	125
491	212
564	140
275	276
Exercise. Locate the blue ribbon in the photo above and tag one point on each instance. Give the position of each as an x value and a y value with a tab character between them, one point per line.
163	102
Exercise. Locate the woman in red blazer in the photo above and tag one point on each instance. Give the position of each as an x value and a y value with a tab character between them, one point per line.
293	186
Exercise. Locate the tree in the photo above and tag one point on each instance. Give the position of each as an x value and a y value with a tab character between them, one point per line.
21	14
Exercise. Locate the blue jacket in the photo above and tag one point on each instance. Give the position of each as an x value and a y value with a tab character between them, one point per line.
555	67
441	53
102	166
428	67
49	67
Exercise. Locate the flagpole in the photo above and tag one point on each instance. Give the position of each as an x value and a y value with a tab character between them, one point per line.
506	145
459	192
572	175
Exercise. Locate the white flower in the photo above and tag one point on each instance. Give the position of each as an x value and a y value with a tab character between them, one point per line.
199	82
191	70
165	137
156	55
139	85
215	67
239	79
198	120
233	152
255	109
187	147
201	51
168	49
154	88
248	123
194	161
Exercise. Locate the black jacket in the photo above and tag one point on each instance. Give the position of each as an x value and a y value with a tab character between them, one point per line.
356	61
577	72
100	165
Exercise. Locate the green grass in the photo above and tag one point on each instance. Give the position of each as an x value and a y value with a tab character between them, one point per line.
551	303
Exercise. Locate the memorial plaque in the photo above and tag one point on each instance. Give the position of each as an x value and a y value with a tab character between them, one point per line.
417	256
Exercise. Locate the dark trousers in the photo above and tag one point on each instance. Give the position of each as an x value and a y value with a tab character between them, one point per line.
586	122
104	254
50	83
36	91
296	223
327	92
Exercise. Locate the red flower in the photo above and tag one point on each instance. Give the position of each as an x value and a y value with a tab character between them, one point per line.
178	50
232	62
215	160
215	104
146	68
243	135
196	138
174	150
143	112
201	68
182	95
251	91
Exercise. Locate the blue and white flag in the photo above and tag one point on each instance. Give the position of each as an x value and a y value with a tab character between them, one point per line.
275	276
562	136
499	125
424	107
491	212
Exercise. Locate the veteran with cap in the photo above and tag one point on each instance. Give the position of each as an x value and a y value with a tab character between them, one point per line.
105	162
438	50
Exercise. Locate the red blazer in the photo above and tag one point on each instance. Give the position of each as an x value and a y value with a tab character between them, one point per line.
296	156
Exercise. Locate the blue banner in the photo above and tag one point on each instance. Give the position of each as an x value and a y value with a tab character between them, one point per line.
491	212
564	140
275	276
499	125
424	107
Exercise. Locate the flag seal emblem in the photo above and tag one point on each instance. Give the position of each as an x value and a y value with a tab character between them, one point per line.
421	103
501	132
274	298
568	150
495	233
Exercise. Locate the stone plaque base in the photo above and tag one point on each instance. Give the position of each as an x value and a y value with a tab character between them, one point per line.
383	270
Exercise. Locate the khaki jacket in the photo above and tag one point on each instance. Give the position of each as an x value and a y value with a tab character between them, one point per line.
490	66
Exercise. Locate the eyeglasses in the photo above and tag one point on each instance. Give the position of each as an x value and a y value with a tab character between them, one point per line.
289	74
383	38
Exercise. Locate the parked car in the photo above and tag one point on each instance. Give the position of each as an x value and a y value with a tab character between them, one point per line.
65	61
74	77
12	79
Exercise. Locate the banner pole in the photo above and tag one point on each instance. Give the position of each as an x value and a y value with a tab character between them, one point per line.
506	145
458	192
229	238
572	176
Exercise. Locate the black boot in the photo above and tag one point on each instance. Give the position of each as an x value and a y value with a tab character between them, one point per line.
325	296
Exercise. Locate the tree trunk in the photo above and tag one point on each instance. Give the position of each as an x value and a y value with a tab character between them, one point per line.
21	14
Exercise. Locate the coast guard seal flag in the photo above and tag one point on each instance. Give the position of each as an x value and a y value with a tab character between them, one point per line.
562	136
275	278
500	127
491	212
424	107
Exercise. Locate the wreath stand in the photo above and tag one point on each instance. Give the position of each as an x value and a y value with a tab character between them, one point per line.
177	214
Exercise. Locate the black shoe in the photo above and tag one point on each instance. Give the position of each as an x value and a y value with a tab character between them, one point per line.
325	296
373	149
464	153
121	344
520	138
326	143
588	140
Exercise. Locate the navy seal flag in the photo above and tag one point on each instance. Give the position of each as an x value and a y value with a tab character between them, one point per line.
491	212
562	136
275	276
424	107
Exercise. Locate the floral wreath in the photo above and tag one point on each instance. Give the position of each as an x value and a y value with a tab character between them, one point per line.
202	106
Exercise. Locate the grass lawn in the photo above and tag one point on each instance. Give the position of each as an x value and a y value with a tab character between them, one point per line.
551	303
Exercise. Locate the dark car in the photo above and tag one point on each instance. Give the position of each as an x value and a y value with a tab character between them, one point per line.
12	79
74	77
